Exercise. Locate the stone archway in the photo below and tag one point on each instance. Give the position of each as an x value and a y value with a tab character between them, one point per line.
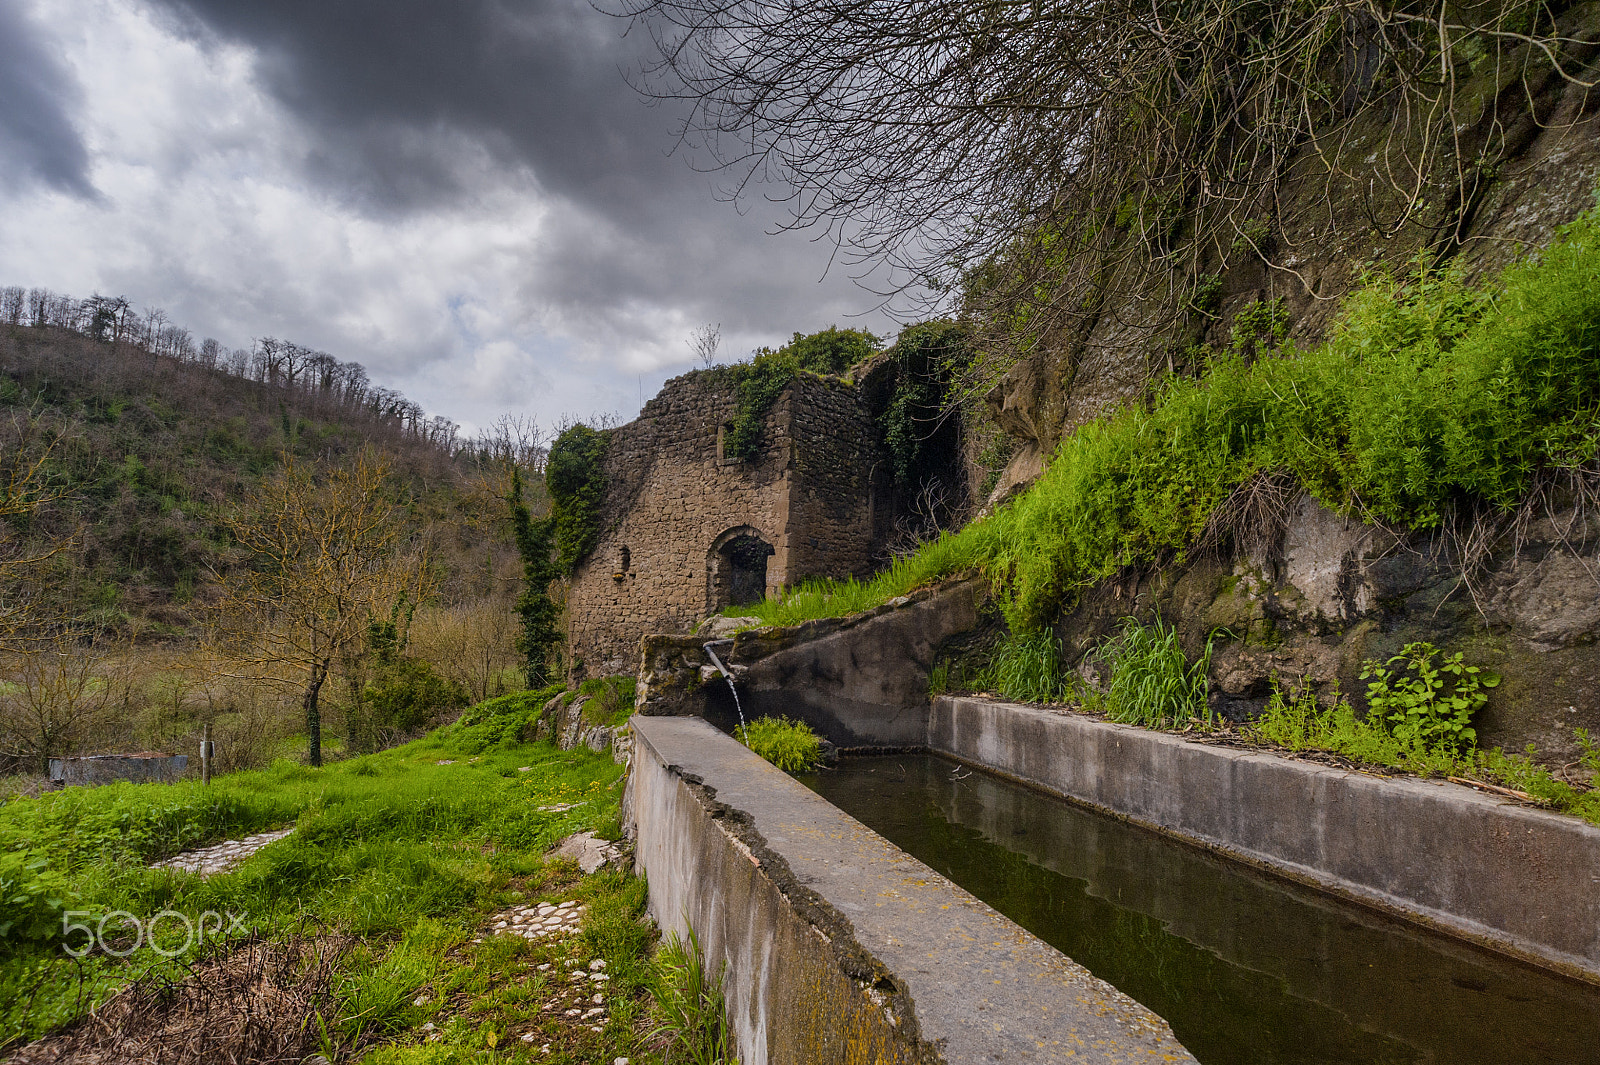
736	568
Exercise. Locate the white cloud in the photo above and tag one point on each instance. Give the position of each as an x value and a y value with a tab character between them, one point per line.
504	297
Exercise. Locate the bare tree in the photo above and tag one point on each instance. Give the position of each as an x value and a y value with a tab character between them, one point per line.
55	697
327	556
1075	142
704	342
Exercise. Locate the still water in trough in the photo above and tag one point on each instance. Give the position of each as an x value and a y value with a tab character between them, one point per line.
1248	969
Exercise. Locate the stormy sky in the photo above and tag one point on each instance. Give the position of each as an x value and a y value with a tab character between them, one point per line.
466	196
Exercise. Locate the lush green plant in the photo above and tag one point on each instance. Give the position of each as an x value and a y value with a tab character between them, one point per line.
788	744
536	545
1300	722
1430	395
1152	681
576	479
1026	667
928	356
1426	703
694	1013
408	693
610	699
762	380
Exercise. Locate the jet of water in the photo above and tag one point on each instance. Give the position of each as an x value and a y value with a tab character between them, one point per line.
743	728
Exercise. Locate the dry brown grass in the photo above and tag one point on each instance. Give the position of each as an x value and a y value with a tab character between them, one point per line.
260	1004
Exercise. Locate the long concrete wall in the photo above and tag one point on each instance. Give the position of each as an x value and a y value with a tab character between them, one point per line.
1516	879
840	947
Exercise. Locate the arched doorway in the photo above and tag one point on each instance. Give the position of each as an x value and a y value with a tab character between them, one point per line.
736	569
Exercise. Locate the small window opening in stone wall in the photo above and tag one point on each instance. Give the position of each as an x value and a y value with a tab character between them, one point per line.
737	570
723	432
627	560
624	563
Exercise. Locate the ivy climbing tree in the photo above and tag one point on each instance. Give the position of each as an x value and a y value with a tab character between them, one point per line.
540	633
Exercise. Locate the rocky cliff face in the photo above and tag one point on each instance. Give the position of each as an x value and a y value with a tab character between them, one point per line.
1322	594
1313	242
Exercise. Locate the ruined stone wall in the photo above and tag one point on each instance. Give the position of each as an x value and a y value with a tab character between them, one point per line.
669	496
833	497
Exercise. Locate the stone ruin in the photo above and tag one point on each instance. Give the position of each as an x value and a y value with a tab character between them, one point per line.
687	530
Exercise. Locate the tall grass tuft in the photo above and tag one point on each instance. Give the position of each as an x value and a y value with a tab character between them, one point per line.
694	1015
1152	682
1027	667
790	745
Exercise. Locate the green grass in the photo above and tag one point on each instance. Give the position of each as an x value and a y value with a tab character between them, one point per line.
1428	396
1026	667
790	745
1152	683
1299	722
399	848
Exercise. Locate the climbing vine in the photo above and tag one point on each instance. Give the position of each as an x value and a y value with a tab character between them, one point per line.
538	613
576	480
928	357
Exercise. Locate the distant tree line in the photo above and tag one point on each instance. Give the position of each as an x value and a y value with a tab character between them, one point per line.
328	381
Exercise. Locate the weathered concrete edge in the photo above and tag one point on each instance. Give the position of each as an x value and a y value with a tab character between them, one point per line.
799	987
1515	880
995	991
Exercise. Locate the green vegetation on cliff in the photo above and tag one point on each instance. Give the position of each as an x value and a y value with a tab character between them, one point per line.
1430	398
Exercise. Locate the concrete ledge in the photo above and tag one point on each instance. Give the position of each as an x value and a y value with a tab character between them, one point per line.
859	681
1518	880
839	946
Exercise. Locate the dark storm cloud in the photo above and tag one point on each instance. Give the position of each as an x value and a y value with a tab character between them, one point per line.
38	142
394	91
415	104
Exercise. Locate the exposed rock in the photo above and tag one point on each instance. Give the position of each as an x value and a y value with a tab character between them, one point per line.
716	626
590	852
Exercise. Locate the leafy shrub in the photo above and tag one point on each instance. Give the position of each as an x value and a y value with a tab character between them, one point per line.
1152	682
31	897
1412	702
761	381
1026	667
927	356
790	745
610	699
408	693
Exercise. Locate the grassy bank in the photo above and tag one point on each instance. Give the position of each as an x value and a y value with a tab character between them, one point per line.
399	856
1430	396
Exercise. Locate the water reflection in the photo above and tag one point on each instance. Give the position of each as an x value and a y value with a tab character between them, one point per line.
1248	970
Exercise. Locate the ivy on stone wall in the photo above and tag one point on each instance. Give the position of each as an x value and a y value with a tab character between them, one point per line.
762	380
575	477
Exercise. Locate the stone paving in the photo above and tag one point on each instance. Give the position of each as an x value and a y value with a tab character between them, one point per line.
537	920
223	856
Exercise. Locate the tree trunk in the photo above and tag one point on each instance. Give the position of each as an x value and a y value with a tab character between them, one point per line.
319	673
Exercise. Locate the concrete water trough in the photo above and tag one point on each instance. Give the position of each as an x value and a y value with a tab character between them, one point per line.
839	946
149	767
